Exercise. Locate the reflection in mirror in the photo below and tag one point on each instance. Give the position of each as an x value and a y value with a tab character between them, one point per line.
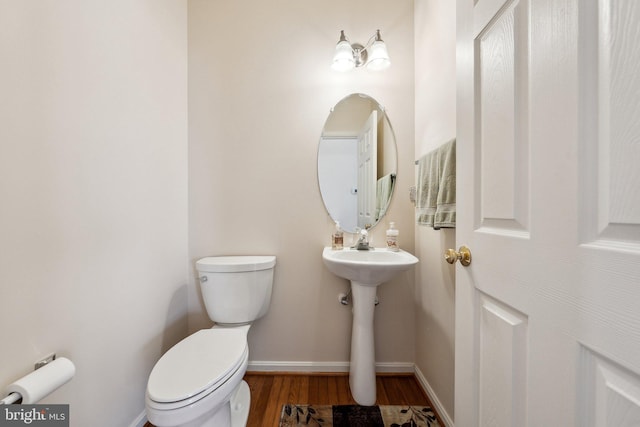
357	162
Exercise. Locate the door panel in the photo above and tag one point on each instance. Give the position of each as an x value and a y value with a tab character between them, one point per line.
503	364
611	108
501	128
611	393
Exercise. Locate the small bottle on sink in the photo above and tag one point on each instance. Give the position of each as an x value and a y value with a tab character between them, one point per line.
392	237
337	238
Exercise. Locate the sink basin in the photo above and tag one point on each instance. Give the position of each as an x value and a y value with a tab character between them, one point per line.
369	268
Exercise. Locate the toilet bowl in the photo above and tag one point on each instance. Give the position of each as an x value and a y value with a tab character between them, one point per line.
198	382
194	382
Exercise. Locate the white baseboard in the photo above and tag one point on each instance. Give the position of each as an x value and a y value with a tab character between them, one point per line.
140	420
270	366
444	415
273	366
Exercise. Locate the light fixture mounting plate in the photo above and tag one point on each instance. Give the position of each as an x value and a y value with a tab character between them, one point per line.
359	54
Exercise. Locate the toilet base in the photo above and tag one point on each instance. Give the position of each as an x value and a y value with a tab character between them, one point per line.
240	403
234	414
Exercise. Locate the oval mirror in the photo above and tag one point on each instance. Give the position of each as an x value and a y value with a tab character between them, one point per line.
357	162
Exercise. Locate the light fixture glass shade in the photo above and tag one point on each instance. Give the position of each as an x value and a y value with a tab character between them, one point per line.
343	59
378	56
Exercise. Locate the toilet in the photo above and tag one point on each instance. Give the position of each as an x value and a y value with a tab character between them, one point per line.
198	382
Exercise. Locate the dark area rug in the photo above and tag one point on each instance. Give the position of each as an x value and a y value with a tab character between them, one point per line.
357	416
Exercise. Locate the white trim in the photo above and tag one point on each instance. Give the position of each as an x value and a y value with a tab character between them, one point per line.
271	366
446	418
396	367
140	420
274	366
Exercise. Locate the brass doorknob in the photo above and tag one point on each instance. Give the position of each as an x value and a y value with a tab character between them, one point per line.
463	254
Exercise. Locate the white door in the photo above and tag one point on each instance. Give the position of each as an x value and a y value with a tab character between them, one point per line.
548	311
367	170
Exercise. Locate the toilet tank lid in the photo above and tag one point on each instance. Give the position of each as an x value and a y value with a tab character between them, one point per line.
230	264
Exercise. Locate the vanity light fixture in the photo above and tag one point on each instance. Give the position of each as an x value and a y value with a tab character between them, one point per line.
348	56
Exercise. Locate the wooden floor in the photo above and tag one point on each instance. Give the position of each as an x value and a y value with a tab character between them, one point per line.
269	391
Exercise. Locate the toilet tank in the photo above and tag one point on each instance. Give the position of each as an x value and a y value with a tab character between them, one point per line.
236	289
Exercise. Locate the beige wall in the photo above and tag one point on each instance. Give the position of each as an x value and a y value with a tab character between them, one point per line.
260	90
93	195
435	124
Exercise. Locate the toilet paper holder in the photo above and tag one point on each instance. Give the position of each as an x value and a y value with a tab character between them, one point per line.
35	386
14	397
40	363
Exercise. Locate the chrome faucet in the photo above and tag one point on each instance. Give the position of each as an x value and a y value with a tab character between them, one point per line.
363	241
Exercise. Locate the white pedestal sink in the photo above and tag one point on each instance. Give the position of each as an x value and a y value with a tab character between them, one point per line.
366	270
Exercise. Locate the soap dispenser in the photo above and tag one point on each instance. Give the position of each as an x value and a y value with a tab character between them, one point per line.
337	238
392	237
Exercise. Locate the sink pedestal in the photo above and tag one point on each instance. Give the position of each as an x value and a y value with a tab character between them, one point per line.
366	270
362	373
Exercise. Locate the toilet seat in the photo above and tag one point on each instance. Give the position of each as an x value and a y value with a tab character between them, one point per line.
196	366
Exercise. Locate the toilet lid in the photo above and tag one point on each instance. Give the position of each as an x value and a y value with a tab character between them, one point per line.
196	364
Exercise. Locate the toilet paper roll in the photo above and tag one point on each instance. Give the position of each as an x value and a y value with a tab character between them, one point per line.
43	381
